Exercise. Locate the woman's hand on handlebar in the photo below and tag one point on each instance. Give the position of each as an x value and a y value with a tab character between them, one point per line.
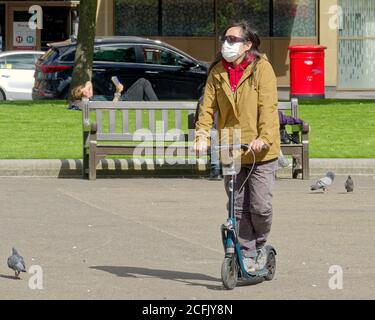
200	145
257	145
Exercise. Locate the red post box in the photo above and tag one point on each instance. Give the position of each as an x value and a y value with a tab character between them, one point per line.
307	71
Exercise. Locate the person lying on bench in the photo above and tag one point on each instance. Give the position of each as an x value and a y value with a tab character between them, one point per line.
141	90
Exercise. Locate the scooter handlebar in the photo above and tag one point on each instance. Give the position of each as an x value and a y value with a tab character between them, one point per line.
243	146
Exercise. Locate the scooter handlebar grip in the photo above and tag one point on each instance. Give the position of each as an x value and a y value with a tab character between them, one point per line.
245	147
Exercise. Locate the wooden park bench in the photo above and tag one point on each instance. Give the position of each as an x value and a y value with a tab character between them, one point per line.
158	124
110	129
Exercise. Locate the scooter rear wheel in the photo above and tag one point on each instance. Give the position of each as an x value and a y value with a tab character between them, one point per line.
271	266
229	272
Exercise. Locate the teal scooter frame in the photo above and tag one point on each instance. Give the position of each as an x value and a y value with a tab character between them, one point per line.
233	271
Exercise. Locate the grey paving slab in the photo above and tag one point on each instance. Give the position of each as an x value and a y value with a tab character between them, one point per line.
159	239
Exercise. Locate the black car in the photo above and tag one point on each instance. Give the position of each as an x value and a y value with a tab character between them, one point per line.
173	74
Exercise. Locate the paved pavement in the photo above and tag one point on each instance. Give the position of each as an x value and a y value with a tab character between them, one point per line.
159	239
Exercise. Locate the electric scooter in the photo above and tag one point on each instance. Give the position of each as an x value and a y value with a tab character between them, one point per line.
233	270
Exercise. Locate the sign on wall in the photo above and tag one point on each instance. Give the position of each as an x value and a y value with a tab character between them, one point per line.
24	38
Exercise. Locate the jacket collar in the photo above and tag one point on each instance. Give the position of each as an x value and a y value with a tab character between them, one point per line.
247	60
222	74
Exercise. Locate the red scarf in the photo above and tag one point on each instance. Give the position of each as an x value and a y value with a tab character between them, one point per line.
236	72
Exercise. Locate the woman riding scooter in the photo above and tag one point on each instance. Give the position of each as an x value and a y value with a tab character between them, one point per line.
242	89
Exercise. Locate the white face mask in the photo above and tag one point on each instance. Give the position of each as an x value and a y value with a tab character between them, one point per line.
231	52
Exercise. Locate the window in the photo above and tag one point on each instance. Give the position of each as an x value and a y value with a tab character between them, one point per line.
294	18
165	18
188	18
154	55
69	56
2	63
21	61
256	12
136	17
115	54
197	18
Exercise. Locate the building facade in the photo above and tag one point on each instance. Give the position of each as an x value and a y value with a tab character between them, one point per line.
58	18
346	27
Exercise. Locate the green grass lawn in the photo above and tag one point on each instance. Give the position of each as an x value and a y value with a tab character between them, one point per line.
47	130
39	130
340	129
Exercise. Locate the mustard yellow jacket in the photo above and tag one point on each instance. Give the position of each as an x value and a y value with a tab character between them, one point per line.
252	108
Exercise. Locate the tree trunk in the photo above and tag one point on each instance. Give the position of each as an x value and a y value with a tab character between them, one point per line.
85	44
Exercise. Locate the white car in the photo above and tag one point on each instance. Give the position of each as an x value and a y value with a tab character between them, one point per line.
17	74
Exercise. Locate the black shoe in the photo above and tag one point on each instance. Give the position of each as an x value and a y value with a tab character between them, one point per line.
73	107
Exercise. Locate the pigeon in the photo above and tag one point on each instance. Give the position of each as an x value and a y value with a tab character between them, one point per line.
16	263
324	182
349	184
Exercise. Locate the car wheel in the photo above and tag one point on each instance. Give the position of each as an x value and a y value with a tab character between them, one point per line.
2	95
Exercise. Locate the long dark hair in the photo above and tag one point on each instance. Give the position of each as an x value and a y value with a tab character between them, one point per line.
249	34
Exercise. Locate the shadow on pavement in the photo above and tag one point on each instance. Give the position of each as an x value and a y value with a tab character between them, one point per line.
9	277
137	272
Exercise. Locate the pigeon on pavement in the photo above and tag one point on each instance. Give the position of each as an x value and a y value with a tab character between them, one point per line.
349	184
324	182
16	263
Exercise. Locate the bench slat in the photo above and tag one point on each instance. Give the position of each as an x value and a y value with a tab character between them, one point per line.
138	119
131	137
284	105
294	103
99	121
114	136
178	119
151	120
143	105
125	121
164	117
112	121
191	125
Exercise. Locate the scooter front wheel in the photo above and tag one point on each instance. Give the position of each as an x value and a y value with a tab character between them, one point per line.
229	272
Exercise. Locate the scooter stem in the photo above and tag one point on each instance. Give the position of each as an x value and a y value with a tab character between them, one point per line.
232	183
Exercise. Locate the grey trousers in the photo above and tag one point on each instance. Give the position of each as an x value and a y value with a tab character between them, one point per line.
139	91
253	205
